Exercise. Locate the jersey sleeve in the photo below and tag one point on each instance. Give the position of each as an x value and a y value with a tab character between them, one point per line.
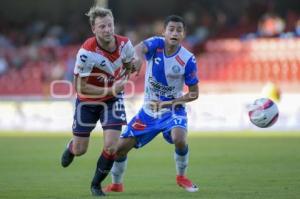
152	44
83	66
127	52
190	73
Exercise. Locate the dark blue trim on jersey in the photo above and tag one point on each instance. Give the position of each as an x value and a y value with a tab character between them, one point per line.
152	44
163	98
191	74
165	54
158	70
148	55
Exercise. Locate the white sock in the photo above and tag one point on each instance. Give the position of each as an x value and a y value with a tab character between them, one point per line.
181	163
70	146
117	171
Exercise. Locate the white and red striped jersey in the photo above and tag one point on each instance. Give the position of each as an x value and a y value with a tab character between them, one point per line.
101	67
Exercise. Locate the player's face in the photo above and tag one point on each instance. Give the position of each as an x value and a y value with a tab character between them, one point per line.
174	33
104	28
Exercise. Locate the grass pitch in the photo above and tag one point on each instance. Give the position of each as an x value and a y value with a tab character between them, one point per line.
235	165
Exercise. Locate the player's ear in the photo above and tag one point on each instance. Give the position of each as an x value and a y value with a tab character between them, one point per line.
184	30
93	28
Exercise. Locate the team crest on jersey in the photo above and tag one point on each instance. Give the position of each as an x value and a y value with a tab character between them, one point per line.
176	69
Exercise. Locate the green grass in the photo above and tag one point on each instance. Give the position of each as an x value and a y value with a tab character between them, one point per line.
235	165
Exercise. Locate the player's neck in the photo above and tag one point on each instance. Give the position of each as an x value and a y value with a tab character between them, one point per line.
170	49
107	46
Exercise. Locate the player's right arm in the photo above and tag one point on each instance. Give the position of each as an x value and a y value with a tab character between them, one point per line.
84	88
146	49
140	51
82	71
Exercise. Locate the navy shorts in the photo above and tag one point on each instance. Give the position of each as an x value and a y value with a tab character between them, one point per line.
111	114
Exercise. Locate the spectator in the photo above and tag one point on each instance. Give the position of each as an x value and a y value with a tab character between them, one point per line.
5	42
297	28
57	71
294	33
270	25
3	65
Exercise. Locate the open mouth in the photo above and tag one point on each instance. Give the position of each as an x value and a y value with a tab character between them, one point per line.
107	36
174	39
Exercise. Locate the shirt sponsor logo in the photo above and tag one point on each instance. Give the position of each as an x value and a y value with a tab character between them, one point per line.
83	58
106	79
161	90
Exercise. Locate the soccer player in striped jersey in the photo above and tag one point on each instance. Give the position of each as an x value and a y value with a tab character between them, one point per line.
103	65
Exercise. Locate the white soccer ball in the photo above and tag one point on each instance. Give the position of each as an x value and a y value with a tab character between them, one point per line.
263	113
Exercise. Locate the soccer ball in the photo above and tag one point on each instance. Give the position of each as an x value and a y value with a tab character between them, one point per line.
263	113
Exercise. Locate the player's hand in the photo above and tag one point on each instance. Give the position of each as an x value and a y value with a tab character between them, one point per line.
119	85
137	65
128	68
158	105
134	66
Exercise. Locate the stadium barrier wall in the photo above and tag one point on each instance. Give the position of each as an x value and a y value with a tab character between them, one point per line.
211	112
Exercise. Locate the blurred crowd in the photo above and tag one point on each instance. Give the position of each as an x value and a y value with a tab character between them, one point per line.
273	26
203	21
42	33
54	45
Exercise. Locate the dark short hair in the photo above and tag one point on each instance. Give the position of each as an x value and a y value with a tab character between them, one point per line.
174	18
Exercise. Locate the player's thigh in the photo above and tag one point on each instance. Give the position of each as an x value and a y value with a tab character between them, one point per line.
175	130
113	114
111	138
124	146
142	128
85	118
80	144
179	136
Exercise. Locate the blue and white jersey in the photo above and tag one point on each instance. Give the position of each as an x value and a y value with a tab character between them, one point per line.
166	75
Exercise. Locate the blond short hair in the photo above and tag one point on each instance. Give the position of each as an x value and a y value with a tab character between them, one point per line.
97	11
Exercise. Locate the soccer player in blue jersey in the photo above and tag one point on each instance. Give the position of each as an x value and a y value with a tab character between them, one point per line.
169	67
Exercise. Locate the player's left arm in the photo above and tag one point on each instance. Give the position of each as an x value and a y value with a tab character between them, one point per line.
191	80
191	95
